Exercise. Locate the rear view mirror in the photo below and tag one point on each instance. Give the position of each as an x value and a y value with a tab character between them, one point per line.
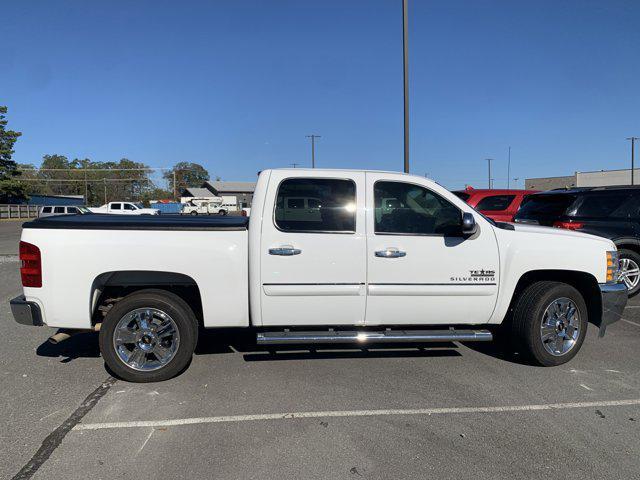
469	226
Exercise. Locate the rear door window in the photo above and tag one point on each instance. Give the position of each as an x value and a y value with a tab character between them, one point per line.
58	210
495	203
116	206
316	205
604	205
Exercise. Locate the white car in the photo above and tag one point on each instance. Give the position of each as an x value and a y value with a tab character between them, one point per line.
125	208
380	257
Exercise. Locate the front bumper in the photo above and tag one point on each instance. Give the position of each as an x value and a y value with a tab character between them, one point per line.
26	313
614	299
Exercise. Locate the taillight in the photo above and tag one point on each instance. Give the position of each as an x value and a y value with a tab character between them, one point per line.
31	265
568	225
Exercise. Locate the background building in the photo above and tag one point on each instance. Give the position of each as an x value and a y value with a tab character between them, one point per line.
243	191
550	183
601	178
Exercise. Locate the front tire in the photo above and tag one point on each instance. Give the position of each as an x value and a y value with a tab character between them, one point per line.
194	213
630	270
148	336
222	212
549	322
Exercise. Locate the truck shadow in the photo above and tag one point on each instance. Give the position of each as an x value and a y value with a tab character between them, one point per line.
81	345
243	341
221	341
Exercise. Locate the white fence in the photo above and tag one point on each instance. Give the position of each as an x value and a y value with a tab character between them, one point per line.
18	211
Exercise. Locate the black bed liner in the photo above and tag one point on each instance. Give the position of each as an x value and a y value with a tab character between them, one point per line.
100	221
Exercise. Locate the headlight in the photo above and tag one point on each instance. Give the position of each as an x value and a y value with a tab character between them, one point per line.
613	266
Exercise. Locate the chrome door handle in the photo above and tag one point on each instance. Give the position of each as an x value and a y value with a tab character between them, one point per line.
390	253
285	250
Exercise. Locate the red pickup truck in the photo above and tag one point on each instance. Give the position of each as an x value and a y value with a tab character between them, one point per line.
499	205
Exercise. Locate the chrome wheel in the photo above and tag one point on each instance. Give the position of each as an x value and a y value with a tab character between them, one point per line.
146	339
629	273
560	328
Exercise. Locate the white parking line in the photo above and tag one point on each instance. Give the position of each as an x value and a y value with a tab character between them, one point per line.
353	413
632	323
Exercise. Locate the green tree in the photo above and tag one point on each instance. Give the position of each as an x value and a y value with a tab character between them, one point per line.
10	187
187	175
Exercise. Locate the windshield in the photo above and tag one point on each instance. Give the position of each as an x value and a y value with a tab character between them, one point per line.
546	205
462	195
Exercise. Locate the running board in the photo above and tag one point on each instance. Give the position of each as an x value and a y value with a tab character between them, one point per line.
364	336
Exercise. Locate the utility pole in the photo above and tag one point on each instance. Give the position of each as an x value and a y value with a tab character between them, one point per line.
294	165
175	187
509	168
86	185
633	148
313	149
489	160
105	190
405	65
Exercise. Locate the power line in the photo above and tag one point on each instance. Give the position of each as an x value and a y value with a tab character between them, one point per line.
96	169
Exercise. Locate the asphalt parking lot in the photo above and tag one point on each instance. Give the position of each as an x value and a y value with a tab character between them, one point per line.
448	411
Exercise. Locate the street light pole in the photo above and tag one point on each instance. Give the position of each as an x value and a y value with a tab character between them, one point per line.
313	149
509	169
633	148
489	160
405	65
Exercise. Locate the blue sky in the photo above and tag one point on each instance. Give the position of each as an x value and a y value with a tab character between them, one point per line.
236	85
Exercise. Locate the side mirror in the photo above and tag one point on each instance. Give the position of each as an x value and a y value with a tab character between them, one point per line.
469	226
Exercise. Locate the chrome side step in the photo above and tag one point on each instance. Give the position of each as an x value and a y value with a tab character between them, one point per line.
364	336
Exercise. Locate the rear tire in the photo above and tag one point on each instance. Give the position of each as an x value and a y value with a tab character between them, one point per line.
222	212
194	213
148	336
549	323
630	265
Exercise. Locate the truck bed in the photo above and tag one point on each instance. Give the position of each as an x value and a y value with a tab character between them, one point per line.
99	221
84	254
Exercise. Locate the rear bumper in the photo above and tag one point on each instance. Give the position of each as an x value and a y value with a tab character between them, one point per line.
26	313
614	299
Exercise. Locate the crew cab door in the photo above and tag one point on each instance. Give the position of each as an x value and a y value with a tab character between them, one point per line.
421	269
312	248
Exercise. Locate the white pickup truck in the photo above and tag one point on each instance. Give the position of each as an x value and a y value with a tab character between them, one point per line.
378	257
124	208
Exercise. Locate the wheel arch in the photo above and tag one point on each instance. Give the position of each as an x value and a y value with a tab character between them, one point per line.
584	282
109	287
